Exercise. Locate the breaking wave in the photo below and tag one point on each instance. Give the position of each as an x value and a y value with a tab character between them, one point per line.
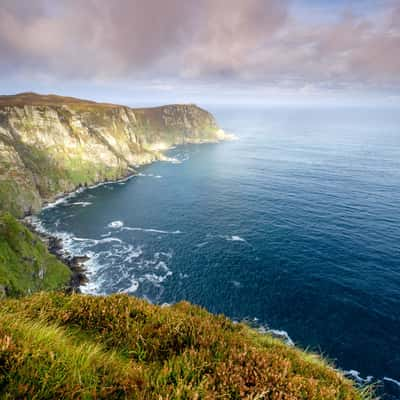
114	265
151	230
115	224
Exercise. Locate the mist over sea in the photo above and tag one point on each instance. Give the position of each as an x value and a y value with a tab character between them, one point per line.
296	225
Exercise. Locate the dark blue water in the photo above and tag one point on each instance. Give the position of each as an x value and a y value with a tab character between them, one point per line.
296	224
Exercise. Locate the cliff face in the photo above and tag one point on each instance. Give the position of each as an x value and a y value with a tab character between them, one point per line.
52	144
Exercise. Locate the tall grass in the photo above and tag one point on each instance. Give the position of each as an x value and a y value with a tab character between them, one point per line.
60	346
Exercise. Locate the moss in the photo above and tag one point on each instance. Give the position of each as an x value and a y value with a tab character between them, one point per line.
81	172
11	197
25	264
142	351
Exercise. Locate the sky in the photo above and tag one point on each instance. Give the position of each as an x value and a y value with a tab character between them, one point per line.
224	51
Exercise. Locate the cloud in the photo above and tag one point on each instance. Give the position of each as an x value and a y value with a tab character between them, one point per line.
253	41
93	37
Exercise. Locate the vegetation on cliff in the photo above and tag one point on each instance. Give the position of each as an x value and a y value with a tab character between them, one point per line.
76	346
25	263
52	144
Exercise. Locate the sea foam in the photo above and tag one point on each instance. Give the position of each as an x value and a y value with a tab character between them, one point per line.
151	230
115	224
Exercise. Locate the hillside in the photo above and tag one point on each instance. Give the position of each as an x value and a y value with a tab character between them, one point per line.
50	144
25	263
74	347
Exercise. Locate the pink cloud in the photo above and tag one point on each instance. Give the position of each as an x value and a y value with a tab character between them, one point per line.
251	41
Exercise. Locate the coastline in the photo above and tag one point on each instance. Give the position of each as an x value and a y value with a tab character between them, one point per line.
387	386
54	243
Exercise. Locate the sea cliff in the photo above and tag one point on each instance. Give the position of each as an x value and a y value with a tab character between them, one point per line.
59	345
51	145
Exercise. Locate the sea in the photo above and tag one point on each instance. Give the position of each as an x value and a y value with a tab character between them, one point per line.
294	226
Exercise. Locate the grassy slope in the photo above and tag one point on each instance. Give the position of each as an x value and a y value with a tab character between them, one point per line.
25	263
59	346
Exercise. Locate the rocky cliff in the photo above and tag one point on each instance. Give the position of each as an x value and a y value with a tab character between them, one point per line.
50	145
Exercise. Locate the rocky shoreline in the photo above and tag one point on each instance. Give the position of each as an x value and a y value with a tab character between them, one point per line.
54	244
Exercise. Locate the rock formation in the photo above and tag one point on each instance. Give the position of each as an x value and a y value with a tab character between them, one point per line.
50	145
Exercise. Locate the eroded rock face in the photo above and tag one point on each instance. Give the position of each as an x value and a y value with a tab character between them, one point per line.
50	145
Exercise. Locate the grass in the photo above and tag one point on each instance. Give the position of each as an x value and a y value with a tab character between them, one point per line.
54	345
43	361
25	263
11	197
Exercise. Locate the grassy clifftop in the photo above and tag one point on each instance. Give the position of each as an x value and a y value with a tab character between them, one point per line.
25	263
59	346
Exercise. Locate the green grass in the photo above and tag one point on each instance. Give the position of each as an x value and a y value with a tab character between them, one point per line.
26	265
76	346
43	361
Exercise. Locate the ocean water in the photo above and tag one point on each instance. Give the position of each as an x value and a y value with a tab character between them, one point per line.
296	225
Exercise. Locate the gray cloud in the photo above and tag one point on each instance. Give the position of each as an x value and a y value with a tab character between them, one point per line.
253	41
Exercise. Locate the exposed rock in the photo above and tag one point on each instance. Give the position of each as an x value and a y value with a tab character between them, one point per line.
50	145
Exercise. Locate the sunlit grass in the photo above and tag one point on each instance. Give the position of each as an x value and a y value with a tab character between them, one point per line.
118	346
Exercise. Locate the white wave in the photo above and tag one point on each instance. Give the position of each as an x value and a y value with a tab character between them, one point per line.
233	238
94	281
150	175
82	203
115	224
133	254
62	199
131	289
109	240
276	333
161	265
95	242
236	284
283	335
116	267
154	278
151	230
154	176
119	181
171	160
55	203
355	375
391	380
158	254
